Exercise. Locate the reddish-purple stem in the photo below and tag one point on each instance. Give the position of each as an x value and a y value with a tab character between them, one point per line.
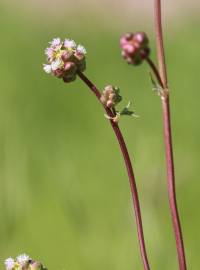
168	136
171	185
129	171
160	43
155	71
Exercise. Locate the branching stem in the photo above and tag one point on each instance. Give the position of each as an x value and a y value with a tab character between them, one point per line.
129	168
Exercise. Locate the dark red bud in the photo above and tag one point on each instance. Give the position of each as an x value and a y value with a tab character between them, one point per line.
79	56
103	99
141	37
128	36
145	53
109	104
129	48
65	56
69	66
123	41
58	73
69	79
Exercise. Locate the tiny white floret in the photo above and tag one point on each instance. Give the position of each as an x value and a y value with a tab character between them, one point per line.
47	68
80	49
69	44
9	263
55	42
22	259
49	53
56	64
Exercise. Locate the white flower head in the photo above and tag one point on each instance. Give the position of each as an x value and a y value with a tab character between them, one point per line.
81	50
55	42
23	259
47	68
64	59
58	63
69	44
9	263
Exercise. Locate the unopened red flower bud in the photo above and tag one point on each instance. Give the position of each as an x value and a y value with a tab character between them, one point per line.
58	73
129	48
79	56
66	56
103	99
109	104
145	53
135	47
68	78
141	38
69	66
125	38
69	73
34	265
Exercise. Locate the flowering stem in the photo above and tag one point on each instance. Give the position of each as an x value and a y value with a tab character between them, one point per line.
129	171
162	79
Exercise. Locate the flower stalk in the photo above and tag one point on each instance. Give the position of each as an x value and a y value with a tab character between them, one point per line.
161	75
66	60
129	168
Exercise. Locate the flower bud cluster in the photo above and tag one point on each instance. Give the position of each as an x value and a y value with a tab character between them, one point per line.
23	262
111	97
65	59
135	47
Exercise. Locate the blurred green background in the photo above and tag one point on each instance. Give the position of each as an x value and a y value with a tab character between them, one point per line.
64	192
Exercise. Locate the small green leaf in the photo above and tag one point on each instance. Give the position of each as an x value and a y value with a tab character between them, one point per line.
154	83
126	110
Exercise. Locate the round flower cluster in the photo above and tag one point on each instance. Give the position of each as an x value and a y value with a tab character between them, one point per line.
65	59
135	47
23	262
111	97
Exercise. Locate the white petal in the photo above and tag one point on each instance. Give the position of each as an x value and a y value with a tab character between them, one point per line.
81	49
49	52
55	42
47	68
69	44
56	64
22	259
9	263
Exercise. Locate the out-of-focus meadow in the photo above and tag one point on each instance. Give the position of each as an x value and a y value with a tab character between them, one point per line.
64	192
